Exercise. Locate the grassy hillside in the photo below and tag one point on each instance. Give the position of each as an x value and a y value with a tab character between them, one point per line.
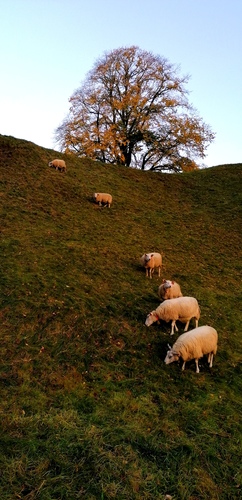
88	408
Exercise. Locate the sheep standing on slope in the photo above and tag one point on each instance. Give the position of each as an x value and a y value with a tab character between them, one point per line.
150	261
103	199
58	165
169	290
193	345
182	309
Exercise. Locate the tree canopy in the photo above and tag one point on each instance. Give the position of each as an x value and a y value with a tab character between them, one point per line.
133	109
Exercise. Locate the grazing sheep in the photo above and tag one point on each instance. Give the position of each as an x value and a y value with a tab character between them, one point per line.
194	345
182	309
104	199
150	261
169	290
58	165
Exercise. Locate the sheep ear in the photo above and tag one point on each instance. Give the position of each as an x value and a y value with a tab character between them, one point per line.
169	346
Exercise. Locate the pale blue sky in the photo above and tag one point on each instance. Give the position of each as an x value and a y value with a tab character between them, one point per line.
48	46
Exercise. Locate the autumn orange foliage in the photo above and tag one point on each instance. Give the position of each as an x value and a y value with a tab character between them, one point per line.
133	110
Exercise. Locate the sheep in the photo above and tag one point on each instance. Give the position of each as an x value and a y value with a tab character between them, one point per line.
182	309
103	199
169	290
58	164
150	261
194	345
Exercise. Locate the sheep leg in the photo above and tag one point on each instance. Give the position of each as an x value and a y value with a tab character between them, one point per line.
187	325
173	325
196	320
159	271
210	359
197	367
183	366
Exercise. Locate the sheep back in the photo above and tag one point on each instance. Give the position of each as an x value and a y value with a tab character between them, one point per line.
181	308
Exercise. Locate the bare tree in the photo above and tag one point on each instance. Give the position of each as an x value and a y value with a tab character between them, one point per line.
133	110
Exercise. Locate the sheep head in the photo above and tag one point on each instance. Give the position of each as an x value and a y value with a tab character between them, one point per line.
171	356
151	318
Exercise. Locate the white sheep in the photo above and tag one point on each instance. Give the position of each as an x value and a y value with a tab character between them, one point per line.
103	199
182	309
58	164
194	345
150	261
169	290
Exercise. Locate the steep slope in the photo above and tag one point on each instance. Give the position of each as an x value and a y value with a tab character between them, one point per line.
84	386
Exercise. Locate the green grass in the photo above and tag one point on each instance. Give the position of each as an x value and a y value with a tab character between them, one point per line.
88	408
